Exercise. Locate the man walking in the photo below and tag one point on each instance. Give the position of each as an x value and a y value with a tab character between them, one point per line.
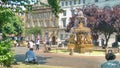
30	44
37	44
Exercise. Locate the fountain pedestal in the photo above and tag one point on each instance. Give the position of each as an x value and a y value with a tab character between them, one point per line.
80	40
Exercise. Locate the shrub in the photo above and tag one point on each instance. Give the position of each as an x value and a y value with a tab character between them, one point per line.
6	54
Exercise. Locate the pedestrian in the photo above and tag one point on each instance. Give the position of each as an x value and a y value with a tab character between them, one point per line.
30	44
30	56
15	43
37	44
111	62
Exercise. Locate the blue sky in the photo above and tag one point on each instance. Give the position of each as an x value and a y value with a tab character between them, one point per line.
23	1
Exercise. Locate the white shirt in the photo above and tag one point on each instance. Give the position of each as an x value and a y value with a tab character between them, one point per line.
31	44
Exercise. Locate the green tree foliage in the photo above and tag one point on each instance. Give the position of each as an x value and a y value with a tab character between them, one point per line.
34	30
54	5
6	54
5	16
18	25
10	23
56	9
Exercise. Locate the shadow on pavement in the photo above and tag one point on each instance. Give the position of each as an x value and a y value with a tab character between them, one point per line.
21	58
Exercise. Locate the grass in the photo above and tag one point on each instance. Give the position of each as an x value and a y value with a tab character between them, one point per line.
98	52
93	53
35	66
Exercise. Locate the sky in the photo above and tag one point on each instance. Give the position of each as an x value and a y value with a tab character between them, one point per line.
23	1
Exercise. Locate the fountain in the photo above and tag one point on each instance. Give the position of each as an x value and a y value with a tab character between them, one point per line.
80	39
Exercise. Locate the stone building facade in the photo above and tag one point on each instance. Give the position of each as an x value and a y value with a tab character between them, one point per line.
43	17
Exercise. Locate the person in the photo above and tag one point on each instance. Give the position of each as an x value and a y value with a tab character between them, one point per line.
30	44
111	62
37	44
30	56
15	43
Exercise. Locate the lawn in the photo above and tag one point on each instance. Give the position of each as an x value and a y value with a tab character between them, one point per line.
65	51
35	66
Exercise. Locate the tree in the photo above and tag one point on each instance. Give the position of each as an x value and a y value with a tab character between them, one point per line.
101	20
10	23
116	15
34	30
6	54
56	9
71	23
54	5
106	29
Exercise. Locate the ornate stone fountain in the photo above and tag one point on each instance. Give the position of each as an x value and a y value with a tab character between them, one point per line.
80	39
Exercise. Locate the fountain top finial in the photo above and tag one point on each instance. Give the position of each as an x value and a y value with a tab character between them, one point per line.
79	12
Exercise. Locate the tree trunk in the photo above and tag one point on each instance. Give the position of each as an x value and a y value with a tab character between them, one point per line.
107	37
106	43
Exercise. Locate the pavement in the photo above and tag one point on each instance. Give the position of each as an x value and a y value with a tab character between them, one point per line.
66	60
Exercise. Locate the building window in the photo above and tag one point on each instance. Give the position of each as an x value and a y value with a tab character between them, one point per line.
46	36
72	11
70	2
53	24
96	0
64	22
48	15
66	36
41	15
35	23
35	16
64	13
66	3
61	36
41	24
47	23
74	2
79	1
62	3
84	1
